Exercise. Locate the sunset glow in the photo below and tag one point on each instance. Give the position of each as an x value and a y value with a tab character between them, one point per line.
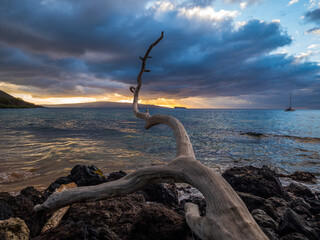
214	54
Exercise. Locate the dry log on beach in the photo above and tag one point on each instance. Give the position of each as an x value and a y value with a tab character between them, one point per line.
226	217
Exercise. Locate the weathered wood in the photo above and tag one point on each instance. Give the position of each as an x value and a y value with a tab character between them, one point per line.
57	216
226	215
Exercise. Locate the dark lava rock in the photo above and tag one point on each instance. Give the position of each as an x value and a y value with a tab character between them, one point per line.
82	175
22	207
264	220
33	194
303	177
57	183
5	211
270	233
70	230
302	211
161	194
294	236
200	202
300	190
253	134
87	175
116	175
156	222
315	206
293	223
261	182
252	202
128	218
116	214
299	202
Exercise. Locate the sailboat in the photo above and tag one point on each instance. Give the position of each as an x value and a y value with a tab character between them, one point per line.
290	109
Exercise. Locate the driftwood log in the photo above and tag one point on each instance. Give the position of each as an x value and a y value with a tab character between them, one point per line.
226	217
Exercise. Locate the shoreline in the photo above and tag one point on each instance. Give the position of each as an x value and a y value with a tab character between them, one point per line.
275	207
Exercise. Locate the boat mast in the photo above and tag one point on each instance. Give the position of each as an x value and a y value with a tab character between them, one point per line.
290	99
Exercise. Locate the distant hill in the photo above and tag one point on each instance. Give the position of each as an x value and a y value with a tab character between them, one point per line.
8	101
100	105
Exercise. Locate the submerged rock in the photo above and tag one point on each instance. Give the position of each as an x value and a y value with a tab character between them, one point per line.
300	190
253	134
303	177
14	229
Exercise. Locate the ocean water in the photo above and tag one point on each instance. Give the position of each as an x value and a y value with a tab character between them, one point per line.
39	145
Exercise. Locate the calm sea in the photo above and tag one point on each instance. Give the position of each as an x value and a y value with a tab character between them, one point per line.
39	145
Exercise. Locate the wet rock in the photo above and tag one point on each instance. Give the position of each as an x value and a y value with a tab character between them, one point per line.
302	211
14	229
294	236
261	182
252	202
270	233
5	211
253	134
87	175
156	222
70	230
264	220
82	175
299	202
300	190
116	175
303	177
33	194
160	193
315	206
293	223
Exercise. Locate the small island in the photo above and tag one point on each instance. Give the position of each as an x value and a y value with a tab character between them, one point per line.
180	107
8	101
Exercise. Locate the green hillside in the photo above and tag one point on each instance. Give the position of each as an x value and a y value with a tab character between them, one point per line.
8	101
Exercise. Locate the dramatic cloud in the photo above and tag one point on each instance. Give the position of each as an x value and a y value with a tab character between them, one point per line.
88	48
313	16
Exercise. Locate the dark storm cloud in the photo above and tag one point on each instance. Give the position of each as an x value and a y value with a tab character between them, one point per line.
86	47
313	16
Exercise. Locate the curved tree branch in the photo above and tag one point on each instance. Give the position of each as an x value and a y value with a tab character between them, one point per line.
184	146
226	215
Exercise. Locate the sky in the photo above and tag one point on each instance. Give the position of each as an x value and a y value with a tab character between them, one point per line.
214	54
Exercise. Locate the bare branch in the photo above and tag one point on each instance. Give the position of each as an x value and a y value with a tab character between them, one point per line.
184	146
227	217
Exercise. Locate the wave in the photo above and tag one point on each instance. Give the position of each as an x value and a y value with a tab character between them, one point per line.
13	176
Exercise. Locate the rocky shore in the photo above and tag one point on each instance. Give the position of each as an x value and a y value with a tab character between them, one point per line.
157	212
